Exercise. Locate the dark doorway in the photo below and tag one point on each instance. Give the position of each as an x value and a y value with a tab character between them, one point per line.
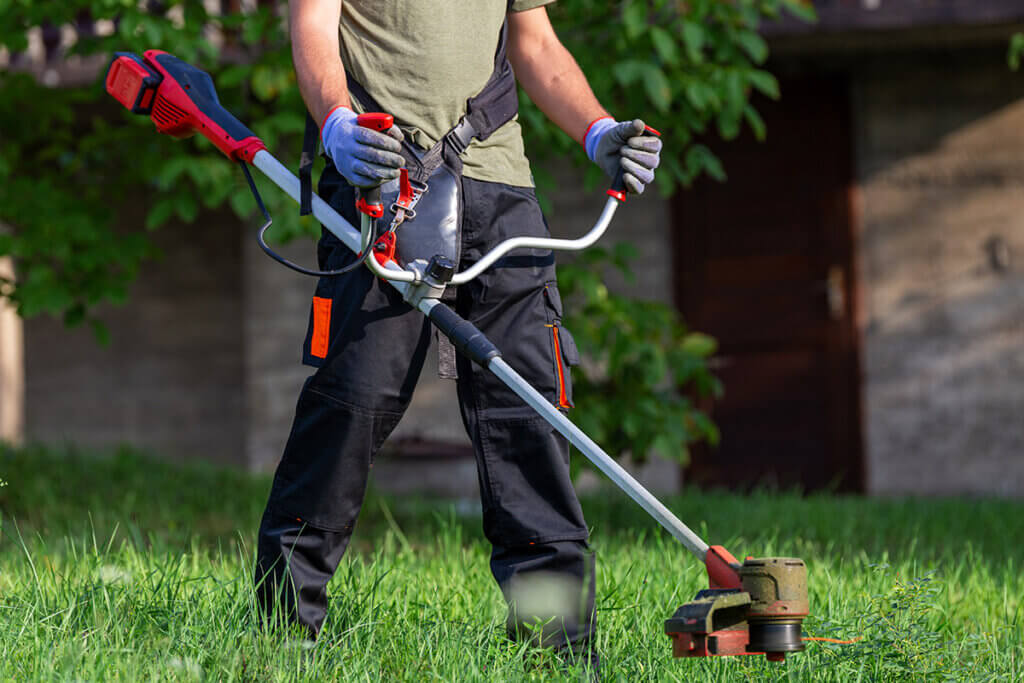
766	263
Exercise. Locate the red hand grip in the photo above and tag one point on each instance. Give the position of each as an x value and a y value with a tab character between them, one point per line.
369	197
376	120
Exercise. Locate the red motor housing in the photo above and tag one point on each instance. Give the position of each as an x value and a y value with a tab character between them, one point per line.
180	99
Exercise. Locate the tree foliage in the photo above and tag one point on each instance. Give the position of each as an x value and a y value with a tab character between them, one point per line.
645	374
1015	51
70	156
687	68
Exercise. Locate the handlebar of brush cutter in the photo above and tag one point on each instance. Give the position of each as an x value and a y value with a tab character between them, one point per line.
616	194
181	101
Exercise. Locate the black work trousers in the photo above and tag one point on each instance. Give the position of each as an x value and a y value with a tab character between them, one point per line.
369	347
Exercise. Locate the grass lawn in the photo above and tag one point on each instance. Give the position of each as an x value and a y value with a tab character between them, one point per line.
132	569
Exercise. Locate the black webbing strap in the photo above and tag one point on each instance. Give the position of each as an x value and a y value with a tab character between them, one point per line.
309	140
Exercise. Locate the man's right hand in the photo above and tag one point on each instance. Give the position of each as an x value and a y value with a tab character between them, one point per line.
364	157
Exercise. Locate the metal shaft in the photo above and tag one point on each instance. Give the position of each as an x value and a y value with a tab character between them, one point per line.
614	471
341	228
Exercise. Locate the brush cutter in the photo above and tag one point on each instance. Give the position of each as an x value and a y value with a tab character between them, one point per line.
750	608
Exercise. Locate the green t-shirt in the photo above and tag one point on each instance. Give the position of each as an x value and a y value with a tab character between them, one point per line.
422	60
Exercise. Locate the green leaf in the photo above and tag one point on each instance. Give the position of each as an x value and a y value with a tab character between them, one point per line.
700	159
670	448
160	213
729	123
755	122
664	45
100	332
801	9
734	90
658	88
187	207
702	96
753	44
764	83
699	344
693	38
1013	56
629	71
634	19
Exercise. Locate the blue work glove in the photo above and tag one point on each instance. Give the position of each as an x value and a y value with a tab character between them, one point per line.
613	144
364	157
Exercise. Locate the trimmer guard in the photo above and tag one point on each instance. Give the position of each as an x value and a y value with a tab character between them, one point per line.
713	624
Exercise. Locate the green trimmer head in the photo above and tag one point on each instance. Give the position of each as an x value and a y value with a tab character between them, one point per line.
757	607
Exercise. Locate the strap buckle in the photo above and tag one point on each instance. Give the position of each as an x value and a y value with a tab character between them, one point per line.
461	135
409	195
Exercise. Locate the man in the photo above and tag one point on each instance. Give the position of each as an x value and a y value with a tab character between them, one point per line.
421	62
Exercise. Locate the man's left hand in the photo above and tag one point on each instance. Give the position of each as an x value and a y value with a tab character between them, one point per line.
613	144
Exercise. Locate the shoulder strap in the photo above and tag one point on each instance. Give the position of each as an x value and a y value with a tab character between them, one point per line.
310	137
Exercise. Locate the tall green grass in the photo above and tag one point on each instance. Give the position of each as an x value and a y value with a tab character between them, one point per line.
127	568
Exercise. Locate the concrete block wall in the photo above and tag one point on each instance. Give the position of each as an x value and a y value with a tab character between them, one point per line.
276	311
940	149
172	379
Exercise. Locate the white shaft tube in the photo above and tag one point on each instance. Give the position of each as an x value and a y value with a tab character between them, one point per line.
541	243
613	470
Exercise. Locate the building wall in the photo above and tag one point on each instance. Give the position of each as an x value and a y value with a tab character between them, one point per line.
171	381
940	148
276	305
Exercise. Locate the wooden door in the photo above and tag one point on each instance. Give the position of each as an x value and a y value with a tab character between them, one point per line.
765	263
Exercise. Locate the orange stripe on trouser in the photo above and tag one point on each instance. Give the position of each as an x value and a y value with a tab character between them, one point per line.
563	398
321	337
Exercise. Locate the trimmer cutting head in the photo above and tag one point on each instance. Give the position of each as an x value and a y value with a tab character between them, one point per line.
754	608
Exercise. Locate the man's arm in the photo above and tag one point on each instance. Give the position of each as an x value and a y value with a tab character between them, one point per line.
315	52
364	157
554	81
549	74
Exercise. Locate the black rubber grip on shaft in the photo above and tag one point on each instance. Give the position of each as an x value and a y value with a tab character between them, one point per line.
370	194
619	182
463	334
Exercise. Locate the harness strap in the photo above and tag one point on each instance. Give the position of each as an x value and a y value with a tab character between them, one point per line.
309	139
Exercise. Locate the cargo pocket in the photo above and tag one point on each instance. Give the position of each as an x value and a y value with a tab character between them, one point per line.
564	353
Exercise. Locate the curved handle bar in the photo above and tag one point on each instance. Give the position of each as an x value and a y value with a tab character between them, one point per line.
616	195
508	245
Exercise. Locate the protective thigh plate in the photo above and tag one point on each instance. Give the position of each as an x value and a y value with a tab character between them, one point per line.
435	230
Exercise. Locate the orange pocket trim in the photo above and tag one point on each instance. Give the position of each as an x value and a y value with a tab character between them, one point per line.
563	398
321	327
